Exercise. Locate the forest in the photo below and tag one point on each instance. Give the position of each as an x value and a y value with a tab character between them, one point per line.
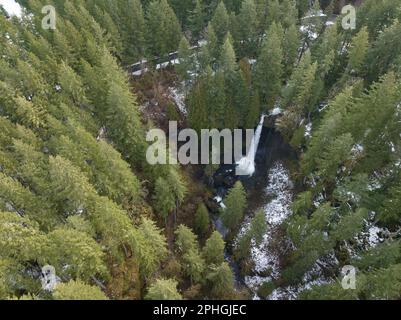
85	216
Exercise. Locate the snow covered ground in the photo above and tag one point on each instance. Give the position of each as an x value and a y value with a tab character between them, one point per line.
277	210
266	257
179	99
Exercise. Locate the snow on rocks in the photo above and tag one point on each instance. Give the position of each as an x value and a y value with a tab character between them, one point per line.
179	99
220	202
308	130
279	187
276	111
371	235
314	277
315	14
309	31
266	260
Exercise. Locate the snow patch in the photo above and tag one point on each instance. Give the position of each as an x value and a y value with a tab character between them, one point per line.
179	99
308	130
266	260
276	111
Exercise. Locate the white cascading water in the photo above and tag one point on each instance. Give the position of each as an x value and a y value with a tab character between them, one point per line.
246	166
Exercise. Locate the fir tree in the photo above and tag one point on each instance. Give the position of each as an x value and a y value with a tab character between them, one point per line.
163	289
269	69
184	56
213	251
235	202
77	290
197	19
220	22
202	220
220	280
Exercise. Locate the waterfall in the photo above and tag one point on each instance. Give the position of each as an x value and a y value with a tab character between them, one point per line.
246	166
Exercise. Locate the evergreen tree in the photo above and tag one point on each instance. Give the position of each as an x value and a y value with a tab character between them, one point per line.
290	47
184	56
288	13
182	9
228	61
164	198
253	112
217	101
358	50
269	69
220	280
246	39
212	44
202	220
258	227
186	240
77	290
194	265
134	30
187	244
163	289
220	22
197	19
235	202
163	28
213	251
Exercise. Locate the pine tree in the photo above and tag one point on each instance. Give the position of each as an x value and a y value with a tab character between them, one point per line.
163	28
197	19
163	289
164	198
21	238
194	265
358	50
220	22
383	283
77	290
235	202
220	281
242	249
187	244
182	9
66	247
186	240
301	88
253	112
202	220
134	30
290	47
269	69
390	213
246	40
288	13
273	13
217	101
333	156
213	251
228	61
258	227
212	44
198	107
186	63
382	256
71	84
